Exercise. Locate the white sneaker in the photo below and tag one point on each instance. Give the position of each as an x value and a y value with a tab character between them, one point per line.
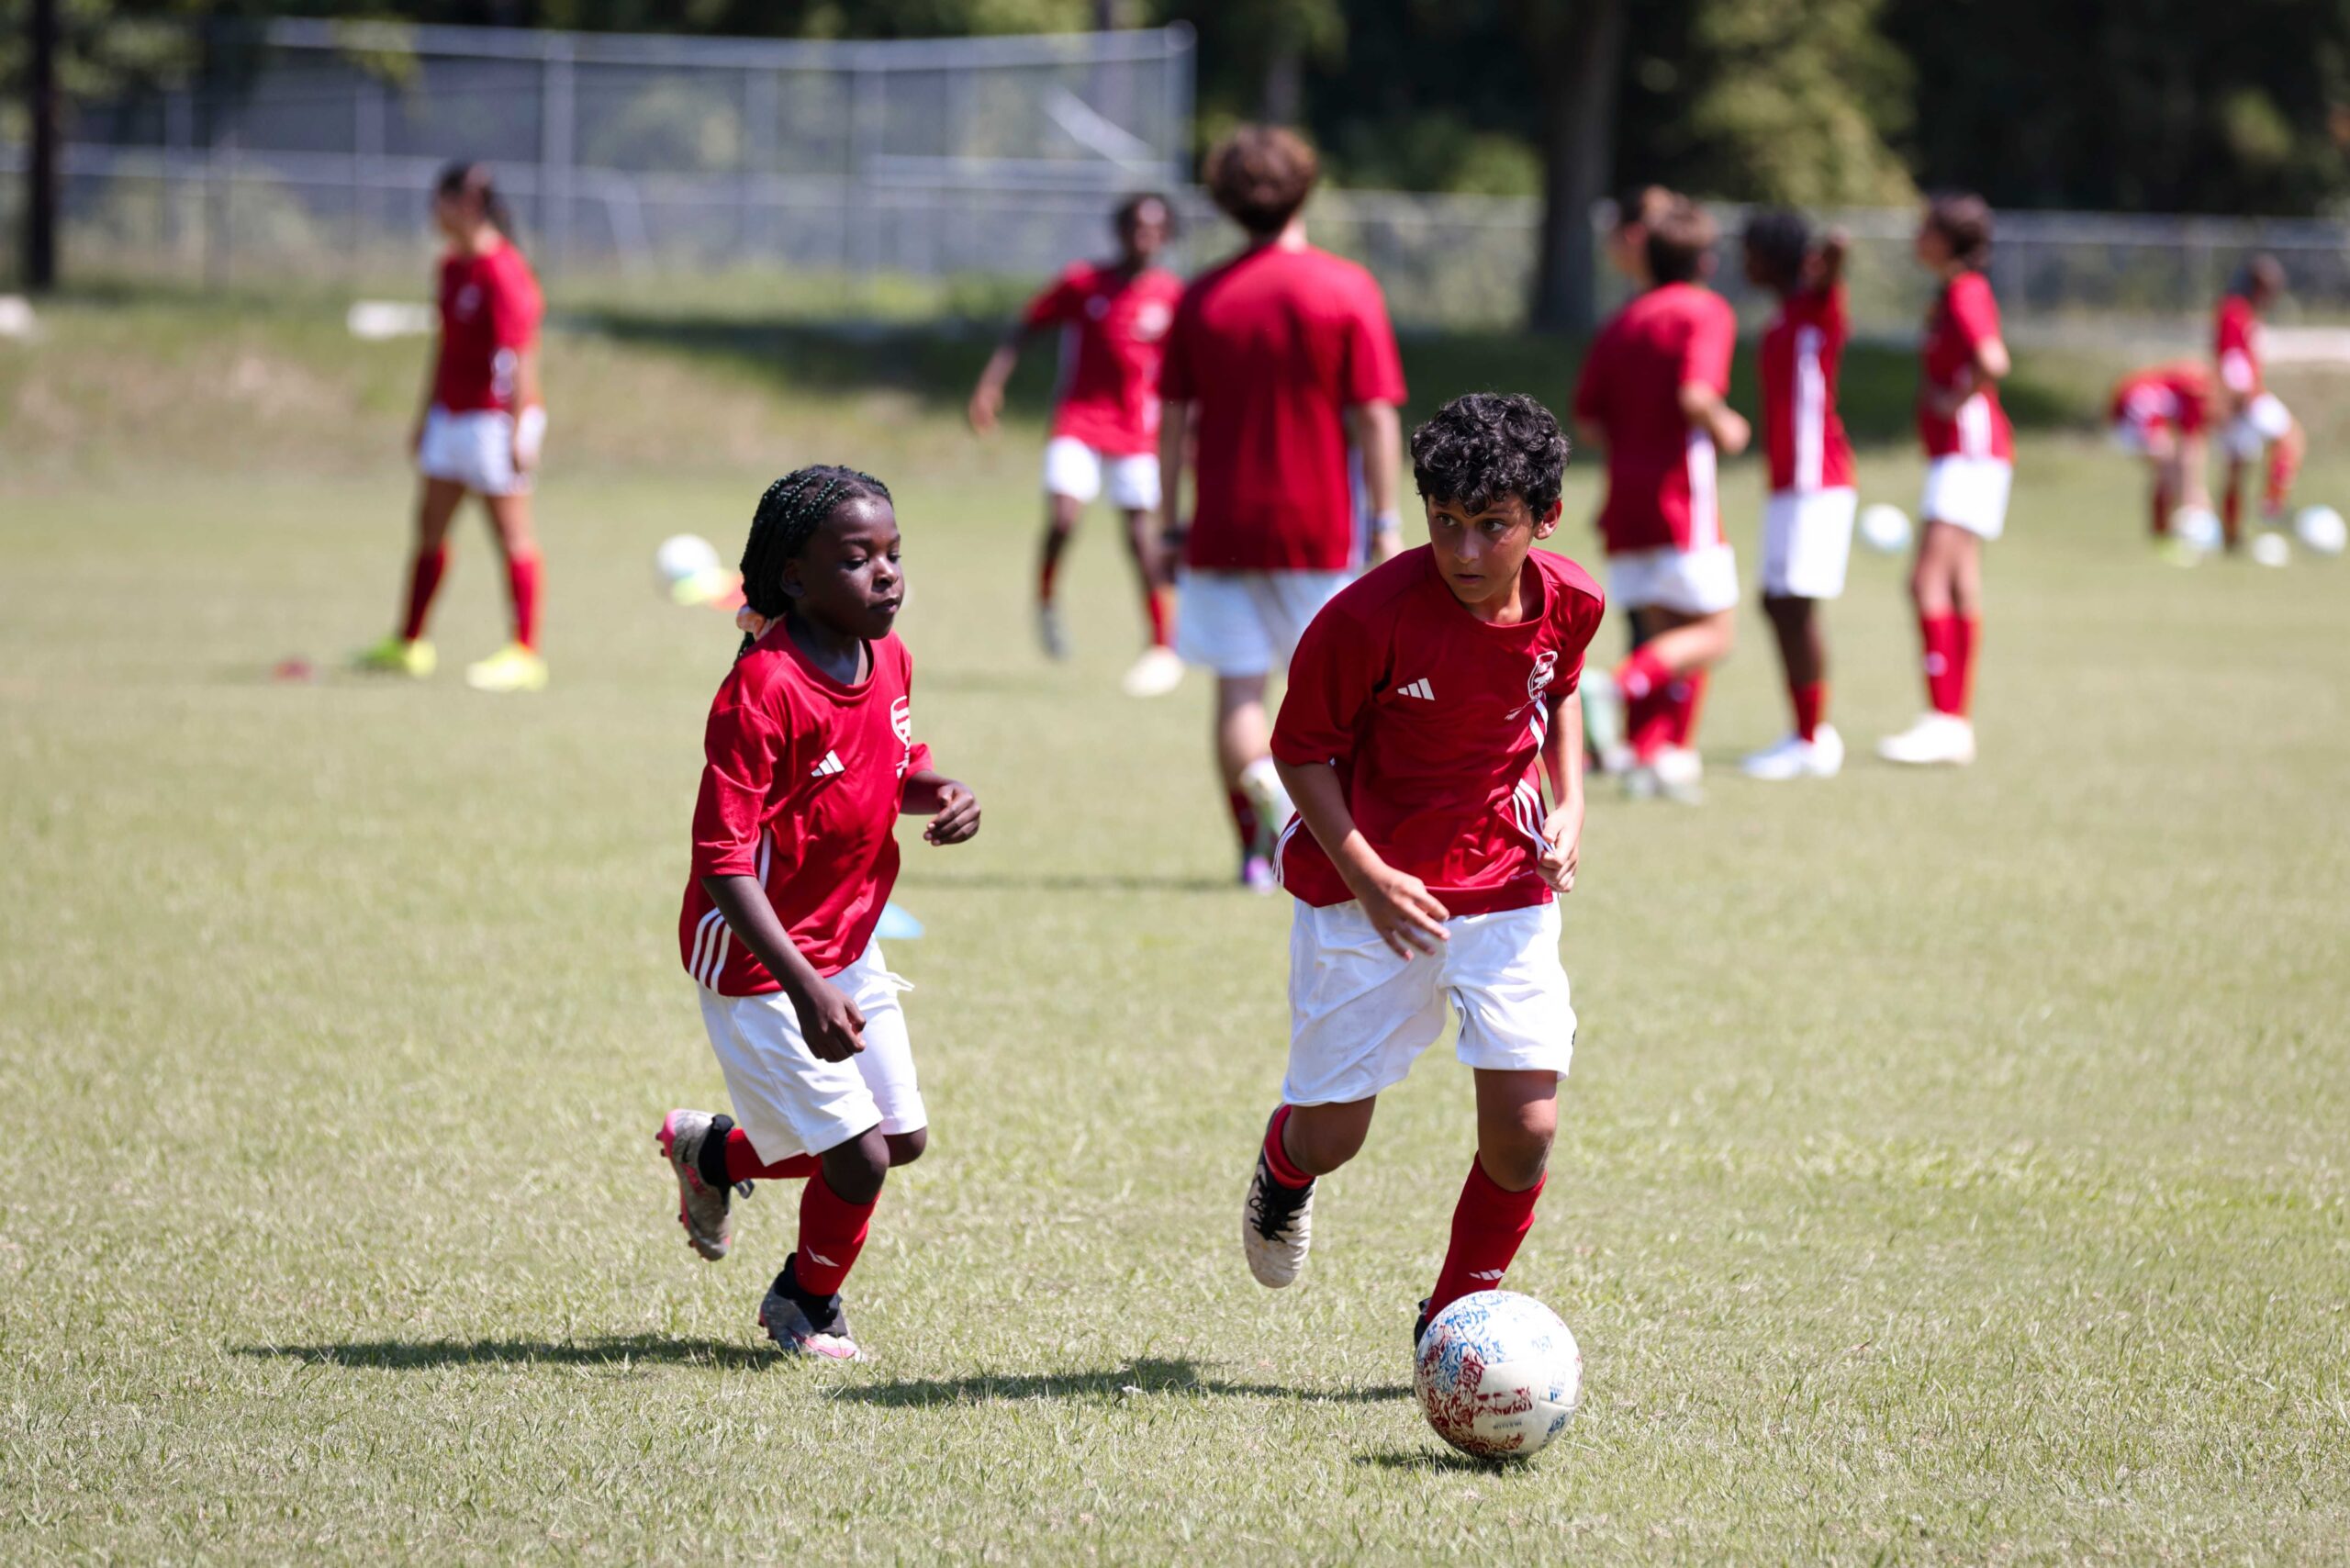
1050	634
1261	782
1675	774
1603	722
1794	757
1936	739
1156	674
1276	1228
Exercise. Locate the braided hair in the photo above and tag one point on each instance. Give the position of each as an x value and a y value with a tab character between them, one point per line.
787	516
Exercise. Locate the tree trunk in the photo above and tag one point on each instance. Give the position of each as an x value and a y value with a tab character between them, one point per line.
41	171
1578	150
1284	91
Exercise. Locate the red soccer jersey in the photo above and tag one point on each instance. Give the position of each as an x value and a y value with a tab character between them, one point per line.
2175	396
1803	348
1435	721
1963	316
800	787
489	314
2237	346
1113	331
1273	347
1659	470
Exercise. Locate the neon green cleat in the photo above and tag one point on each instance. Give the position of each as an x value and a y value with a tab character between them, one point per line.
512	669
398	655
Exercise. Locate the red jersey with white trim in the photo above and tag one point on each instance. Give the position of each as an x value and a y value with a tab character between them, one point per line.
1113	332
1965	315
1660	488
801	782
1273	347
2236	346
1803	350
1435	721
489	314
2165	396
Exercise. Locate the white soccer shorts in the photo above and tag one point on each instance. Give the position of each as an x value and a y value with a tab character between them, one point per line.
1969	493
789	1100
2263	419
1359	1016
1075	470
1244	624
476	449
1692	582
1808	542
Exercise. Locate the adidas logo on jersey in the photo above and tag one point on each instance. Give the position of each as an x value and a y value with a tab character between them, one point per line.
830	766
1421	689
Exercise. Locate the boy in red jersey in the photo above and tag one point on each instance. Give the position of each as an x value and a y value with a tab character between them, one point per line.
1970	465
480	431
2161	414
1651	392
1113	318
1280	360
1807	521
810	759
1428	705
2252	416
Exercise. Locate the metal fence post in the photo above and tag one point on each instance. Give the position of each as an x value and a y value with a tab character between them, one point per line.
555	124
367	157
761	110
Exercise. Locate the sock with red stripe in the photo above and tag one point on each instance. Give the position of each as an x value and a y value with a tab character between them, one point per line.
744	1164
1488	1225
424	574
1153	605
1277	1158
1244	820
1939	634
832	1233
1810	703
522	589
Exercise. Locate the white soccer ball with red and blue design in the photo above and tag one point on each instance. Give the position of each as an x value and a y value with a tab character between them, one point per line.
1499	1375
2321	529
1885	528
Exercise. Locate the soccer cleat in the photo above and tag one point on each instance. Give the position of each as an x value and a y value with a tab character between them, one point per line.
398	655
1257	873
795	1333
1050	632
1935	740
1673	773
701	1208
1268	796
1156	674
1276	1228
512	669
1794	757
1420	1324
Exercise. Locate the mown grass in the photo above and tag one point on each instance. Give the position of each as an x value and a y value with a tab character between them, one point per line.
1952	1166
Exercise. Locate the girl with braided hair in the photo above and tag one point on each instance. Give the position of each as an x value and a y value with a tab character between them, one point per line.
809	760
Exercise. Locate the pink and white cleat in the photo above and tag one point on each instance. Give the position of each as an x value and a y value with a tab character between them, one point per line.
787	1323
702	1209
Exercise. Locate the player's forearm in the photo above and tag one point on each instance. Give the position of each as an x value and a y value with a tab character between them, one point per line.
925	793
1990	360
1562	753
526	379
742	904
1174	431
1377	431
1001	364
1321	802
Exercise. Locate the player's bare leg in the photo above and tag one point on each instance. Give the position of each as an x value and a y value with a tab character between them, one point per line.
1061	515
516	667
1158	671
1946	586
405	652
1244	753
1813	749
1302	1143
1517	1118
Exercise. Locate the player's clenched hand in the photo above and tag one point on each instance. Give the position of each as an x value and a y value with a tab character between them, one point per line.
830	1022
958	817
1405	915
1561	832
986	403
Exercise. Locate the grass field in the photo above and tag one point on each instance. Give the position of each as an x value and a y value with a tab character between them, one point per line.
1952	1169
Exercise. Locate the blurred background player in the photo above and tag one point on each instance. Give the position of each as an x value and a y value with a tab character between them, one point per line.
1970	465
1113	317
1628	235
2251	416
479	430
2162	414
1651	392
1280	360
1807	521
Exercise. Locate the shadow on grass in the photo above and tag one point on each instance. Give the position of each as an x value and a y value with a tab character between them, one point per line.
608	1349
1430	1461
1146	1376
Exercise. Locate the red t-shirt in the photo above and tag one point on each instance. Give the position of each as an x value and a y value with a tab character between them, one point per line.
1963	316
1802	435
1435	721
1113	331
1661	492
489	314
1273	347
2177	396
800	787
2236	346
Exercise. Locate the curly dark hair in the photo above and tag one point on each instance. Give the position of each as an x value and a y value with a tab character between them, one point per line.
789	514
1482	447
1260	174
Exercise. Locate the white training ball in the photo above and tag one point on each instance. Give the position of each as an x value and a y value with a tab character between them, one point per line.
2270	550
683	558
2198	527
2322	530
1885	528
1499	1375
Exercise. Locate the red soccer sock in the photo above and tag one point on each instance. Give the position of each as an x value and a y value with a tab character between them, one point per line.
1939	634
743	1162
1688	695
1244	820
2162	511
2231	506
1277	1158
1048	569
1810	703
1153	605
2283	464
1970	636
522	588
1488	1225
832	1233
424	574
1649	712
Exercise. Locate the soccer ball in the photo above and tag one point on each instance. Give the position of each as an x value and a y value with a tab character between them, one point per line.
1499	1375
2198	527
1885	529
2322	530
2270	550
687	569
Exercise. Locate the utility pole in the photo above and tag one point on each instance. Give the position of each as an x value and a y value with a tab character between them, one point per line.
41	173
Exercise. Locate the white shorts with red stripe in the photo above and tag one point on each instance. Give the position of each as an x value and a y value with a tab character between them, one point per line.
1969	493
1703	581
1808	542
2263	419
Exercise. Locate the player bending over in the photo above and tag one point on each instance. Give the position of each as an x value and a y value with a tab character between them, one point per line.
809	759
1970	464
479	430
2252	415
1113	317
1651	392
2162	414
1428	705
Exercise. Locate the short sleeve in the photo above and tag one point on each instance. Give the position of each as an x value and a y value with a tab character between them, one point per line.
513	307
1332	677
1062	302
742	752
1713	335
1973	310
1177	383
1578	616
1374	364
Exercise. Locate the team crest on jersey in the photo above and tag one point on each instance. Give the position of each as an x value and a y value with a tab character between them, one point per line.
1545	664
901	719
468	301
1152	317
